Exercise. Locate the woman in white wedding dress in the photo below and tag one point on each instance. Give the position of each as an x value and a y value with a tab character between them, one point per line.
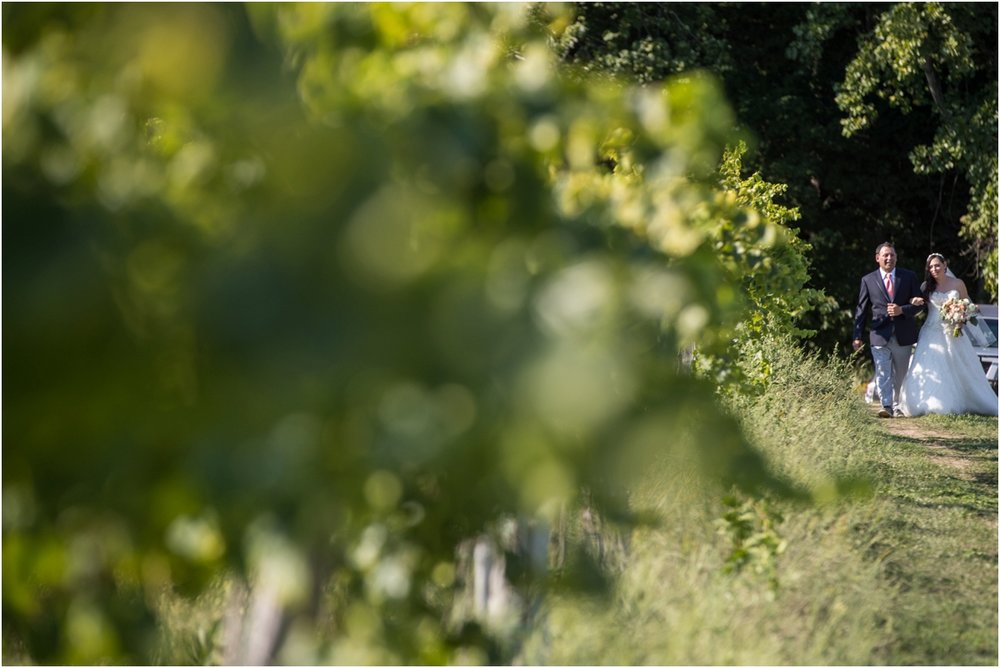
945	375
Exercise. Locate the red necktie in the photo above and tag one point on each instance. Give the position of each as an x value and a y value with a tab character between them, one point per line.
888	285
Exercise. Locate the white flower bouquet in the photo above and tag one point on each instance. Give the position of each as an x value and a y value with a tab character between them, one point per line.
956	312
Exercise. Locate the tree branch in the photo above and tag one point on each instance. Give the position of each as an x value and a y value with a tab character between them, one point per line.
934	84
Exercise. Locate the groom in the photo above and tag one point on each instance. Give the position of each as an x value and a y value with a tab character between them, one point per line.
885	299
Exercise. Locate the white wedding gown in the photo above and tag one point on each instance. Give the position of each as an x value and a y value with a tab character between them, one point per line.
945	375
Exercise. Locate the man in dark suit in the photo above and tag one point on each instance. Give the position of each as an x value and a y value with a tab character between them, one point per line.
885	301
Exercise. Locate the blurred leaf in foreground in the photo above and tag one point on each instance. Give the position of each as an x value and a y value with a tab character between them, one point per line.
318	332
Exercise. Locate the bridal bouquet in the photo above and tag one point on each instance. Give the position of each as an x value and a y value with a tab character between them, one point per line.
956	312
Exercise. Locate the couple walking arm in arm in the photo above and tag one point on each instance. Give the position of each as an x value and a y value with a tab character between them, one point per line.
945	375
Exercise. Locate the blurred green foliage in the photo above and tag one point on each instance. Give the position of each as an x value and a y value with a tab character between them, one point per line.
311	293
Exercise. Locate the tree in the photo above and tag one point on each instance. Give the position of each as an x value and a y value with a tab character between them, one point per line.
941	57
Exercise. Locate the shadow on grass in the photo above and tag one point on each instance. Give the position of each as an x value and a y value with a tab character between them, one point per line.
972	508
956	443
988	478
973	446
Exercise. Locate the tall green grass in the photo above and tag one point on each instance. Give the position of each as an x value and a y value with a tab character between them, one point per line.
878	578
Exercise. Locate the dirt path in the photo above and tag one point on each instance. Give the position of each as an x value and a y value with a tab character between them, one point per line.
941	496
940	444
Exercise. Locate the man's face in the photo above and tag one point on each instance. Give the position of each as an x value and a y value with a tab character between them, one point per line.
886	258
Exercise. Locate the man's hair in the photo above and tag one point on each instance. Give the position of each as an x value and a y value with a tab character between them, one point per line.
878	249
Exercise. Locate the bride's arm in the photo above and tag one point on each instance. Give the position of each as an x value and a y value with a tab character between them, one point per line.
962	291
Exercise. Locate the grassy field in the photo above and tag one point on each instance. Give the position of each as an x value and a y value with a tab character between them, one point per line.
901	571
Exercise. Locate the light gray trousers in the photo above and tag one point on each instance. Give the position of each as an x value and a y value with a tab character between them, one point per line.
891	362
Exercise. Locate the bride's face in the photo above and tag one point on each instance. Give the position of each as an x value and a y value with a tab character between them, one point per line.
936	268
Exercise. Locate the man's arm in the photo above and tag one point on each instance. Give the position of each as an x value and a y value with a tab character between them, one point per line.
909	310
861	314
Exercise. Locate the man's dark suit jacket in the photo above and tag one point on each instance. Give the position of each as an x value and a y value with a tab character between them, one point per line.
874	301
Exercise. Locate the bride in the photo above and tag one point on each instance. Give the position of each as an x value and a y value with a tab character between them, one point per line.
945	375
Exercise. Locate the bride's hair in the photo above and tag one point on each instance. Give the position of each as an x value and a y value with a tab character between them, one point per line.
929	281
